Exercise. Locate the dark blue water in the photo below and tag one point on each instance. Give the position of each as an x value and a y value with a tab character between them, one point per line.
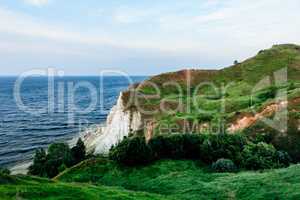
22	131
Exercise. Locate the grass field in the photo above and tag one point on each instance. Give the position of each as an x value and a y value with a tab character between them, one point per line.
189	180
102	179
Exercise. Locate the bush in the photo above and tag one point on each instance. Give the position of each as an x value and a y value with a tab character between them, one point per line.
259	156
131	152
39	164
59	157
268	93
226	146
225	150
78	152
224	165
207	148
283	159
288	141
176	146
4	171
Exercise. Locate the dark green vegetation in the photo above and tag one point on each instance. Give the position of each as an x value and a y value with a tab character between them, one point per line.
4	171
207	148
58	158
224	165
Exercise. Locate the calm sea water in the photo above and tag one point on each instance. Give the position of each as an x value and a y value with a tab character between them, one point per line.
22	132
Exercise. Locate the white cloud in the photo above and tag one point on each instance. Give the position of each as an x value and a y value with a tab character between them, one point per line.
37	2
217	30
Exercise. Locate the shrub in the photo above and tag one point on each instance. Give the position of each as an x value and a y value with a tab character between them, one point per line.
131	152
176	146
78	152
62	168
225	150
59	157
227	146
283	159
224	165
268	93
259	156
4	171
39	163
288	141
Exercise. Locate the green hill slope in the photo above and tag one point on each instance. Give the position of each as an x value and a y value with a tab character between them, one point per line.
26	187
101	179
180	102
188	180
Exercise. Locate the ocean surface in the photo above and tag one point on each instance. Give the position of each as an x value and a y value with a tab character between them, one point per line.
34	117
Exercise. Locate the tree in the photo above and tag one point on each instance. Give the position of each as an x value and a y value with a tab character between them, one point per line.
78	152
4	171
131	152
38	166
236	62
58	154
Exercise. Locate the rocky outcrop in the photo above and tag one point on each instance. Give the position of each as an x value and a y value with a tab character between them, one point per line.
248	120
120	123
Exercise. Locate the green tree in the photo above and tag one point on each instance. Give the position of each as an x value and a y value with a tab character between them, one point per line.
39	161
58	154
131	152
4	171
78	152
259	156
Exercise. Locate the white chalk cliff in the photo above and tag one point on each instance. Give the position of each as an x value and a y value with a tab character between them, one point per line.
120	122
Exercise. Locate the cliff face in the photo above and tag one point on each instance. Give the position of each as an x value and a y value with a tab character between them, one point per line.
120	123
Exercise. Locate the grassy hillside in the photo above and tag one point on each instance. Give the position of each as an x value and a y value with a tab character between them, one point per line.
102	179
188	180
26	187
193	109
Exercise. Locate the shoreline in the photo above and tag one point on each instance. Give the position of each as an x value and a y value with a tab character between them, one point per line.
21	168
87	136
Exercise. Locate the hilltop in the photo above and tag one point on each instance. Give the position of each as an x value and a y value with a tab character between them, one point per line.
230	100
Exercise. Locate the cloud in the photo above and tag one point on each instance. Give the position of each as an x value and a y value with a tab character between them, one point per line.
27	26
37	2
191	32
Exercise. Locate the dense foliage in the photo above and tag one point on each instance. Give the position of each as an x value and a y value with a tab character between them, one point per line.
132	152
224	165
263	156
78	152
288	141
179	146
58	158
4	171
206	148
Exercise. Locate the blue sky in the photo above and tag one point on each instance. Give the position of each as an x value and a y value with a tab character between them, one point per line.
140	37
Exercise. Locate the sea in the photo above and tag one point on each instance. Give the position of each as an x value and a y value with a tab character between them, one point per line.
38	111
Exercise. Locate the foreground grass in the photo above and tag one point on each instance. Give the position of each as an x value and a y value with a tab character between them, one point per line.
102	179
25	188
188	180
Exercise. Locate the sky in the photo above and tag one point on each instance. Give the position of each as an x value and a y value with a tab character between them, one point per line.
140	37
